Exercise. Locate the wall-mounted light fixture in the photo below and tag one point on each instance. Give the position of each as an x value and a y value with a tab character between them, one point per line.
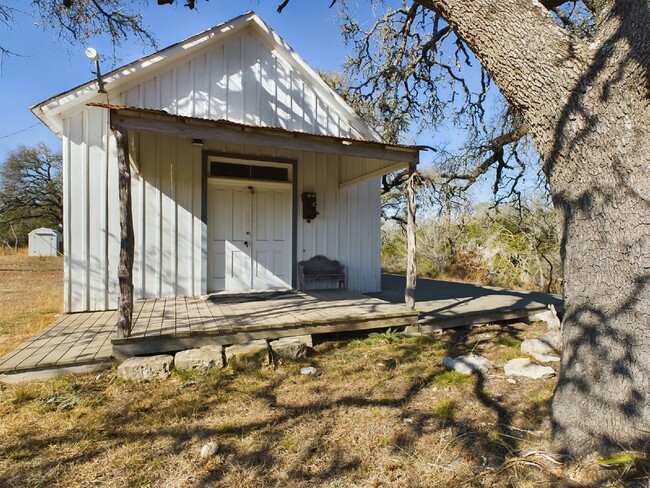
94	56
309	204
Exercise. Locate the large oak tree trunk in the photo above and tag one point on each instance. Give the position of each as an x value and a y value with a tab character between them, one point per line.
588	107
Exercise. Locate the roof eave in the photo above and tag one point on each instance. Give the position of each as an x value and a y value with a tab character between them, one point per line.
159	121
86	91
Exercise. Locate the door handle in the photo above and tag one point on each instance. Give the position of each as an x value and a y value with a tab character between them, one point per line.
246	243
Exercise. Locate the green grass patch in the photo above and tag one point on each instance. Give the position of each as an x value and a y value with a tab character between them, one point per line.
425	340
541	397
389	335
289	443
185	374
505	340
452	378
509	354
495	436
446	409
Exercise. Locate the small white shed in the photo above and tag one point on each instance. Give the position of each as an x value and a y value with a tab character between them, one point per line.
44	242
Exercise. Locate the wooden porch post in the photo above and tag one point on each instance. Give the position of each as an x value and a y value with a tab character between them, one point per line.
125	266
411	268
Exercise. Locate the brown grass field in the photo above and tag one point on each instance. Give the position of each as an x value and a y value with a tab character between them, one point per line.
31	295
380	412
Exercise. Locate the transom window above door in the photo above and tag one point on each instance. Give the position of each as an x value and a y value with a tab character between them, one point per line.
222	169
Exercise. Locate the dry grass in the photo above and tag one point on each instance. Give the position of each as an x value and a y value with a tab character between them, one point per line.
356	423
31	295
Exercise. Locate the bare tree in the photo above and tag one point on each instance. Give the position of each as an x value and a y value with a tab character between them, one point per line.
30	190
80	20
586	104
577	73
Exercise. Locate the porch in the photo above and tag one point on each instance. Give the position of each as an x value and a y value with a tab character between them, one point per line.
83	342
173	324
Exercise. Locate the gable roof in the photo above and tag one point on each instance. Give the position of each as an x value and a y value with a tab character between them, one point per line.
52	111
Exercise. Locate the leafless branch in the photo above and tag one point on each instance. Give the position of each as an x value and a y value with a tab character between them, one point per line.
79	21
494	151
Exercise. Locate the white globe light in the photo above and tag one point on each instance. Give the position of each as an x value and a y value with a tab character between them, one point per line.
92	54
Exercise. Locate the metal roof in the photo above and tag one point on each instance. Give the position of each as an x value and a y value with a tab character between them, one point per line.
137	119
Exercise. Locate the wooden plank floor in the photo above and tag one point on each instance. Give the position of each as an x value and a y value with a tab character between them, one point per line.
168	324
445	304
173	324
74	339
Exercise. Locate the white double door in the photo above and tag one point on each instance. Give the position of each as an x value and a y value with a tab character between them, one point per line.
249	235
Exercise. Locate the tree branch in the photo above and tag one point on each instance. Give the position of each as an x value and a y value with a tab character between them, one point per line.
495	150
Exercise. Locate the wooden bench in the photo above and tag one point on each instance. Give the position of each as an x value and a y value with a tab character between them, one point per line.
320	268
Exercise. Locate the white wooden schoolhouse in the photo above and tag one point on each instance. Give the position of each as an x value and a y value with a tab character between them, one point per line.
242	161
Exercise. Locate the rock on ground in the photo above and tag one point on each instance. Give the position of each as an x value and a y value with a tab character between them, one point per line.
206	357
545	358
525	367
145	368
253	348
553	335
537	346
308	370
472	363
291	347
551	318
209	450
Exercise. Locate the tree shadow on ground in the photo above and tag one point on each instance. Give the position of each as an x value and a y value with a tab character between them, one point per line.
294	437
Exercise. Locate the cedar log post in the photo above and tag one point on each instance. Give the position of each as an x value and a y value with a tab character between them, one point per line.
411	268
125	266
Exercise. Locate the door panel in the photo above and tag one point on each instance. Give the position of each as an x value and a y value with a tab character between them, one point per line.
217	236
272	239
229	264
238	268
249	237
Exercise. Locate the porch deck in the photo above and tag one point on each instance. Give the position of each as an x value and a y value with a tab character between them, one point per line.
84	341
444	304
174	324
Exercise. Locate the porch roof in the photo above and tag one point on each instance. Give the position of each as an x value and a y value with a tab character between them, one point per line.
161	122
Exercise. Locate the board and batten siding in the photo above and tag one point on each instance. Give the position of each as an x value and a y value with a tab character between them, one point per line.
91	212
170	237
211	84
241	77
169	233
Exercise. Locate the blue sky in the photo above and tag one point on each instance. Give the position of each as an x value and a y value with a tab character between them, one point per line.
46	66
